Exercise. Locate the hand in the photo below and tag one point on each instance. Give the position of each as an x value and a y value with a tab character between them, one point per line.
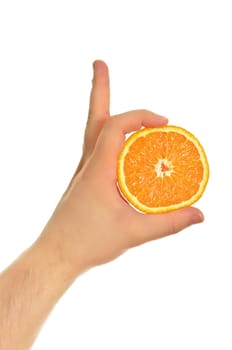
92	224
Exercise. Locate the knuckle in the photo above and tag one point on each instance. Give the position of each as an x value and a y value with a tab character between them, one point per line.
145	111
173	227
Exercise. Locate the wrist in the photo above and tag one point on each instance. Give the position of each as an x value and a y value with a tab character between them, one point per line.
54	253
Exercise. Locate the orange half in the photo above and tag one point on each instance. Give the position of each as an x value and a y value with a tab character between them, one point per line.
162	169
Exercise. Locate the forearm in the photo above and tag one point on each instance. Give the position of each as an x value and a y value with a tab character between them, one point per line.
29	289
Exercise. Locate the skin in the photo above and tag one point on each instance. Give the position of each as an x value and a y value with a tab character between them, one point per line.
91	224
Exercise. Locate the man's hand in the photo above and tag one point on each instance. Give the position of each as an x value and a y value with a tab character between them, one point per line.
92	223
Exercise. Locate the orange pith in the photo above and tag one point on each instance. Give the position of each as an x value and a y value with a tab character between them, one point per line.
162	169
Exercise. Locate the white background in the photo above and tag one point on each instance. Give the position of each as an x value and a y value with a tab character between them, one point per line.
172	57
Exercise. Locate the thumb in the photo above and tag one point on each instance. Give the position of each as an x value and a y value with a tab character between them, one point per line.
151	227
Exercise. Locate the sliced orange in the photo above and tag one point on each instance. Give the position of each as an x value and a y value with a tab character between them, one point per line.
162	169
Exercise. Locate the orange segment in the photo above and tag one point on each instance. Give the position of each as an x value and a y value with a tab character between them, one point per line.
162	169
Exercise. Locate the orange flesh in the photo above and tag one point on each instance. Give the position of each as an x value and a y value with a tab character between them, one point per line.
142	179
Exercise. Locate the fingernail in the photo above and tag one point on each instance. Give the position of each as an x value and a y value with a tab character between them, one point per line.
197	218
162	118
93	71
166	119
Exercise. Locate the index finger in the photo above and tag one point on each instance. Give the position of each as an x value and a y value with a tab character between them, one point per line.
113	135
